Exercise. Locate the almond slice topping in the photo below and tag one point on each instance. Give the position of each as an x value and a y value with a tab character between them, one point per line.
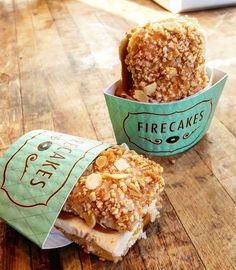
101	161
133	187
93	181
117	175
121	164
140	96
150	89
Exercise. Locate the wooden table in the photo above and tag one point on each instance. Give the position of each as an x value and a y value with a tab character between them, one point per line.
56	57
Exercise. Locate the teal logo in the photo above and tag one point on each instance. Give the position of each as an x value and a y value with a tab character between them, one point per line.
167	133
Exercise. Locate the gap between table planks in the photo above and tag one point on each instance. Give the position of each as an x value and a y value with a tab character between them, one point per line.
53	79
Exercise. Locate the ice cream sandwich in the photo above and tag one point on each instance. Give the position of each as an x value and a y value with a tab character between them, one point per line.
163	61
112	202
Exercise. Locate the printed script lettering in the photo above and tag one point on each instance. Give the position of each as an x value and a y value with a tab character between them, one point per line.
54	161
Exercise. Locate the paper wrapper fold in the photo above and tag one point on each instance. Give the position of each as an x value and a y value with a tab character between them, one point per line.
177	6
163	129
37	173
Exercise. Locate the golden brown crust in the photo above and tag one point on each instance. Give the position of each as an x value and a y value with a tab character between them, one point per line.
166	60
117	189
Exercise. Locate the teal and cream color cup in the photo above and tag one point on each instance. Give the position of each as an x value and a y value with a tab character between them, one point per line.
163	129
37	174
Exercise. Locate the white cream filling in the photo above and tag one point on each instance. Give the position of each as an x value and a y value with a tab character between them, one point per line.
115	243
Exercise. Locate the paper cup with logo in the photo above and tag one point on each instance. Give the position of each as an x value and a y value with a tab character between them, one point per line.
37	174
162	129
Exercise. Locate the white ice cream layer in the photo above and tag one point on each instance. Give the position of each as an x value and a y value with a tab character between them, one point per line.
115	243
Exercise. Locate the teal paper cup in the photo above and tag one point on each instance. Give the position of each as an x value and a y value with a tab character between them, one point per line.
163	129
37	174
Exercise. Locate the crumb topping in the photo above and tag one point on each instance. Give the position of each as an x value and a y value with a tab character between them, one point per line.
116	188
166	60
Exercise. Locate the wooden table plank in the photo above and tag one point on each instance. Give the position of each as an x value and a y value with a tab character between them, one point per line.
205	208
3	251
10	98
35	101
222	57
56	57
70	258
218	151
90	80
14	250
17	251
39	260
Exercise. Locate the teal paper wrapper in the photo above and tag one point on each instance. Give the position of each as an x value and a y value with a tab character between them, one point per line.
163	129
37	173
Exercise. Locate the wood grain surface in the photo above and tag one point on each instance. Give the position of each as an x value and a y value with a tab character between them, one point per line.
56	57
